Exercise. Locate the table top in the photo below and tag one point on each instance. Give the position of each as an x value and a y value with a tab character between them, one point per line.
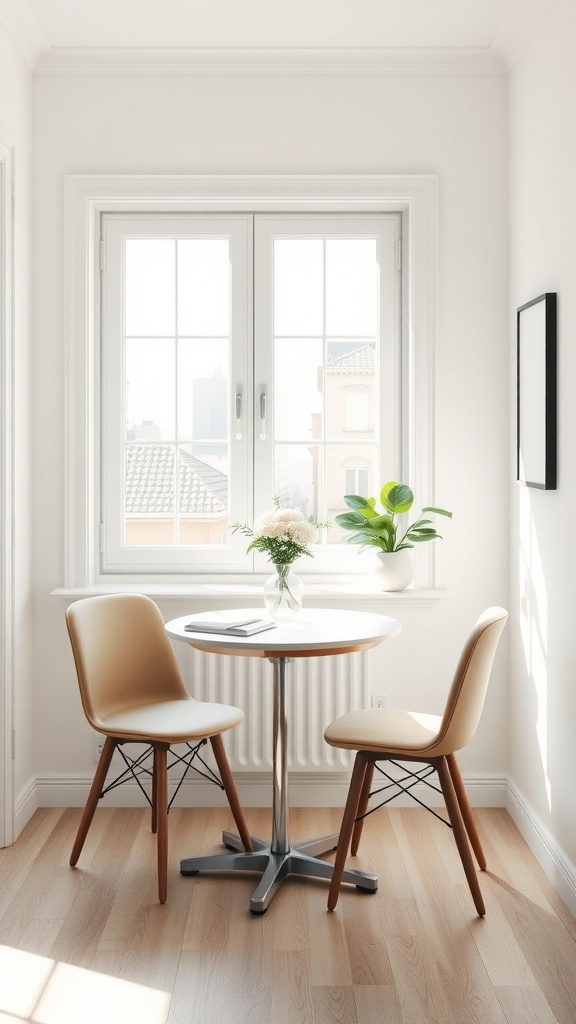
313	631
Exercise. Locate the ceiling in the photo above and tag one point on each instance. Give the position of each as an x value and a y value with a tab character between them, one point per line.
41	27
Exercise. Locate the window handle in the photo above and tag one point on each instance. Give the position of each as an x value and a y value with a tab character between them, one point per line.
263	414
239	413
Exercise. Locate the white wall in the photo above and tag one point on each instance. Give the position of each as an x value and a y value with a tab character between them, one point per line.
455	127
16	131
543	258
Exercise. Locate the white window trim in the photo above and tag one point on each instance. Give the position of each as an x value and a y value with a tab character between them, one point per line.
87	197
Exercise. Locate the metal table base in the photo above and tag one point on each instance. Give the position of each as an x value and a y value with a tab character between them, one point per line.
299	859
277	859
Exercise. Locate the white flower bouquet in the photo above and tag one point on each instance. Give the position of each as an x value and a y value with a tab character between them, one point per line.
283	534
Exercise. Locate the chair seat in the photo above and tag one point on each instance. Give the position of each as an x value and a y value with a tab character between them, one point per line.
173	721
384	729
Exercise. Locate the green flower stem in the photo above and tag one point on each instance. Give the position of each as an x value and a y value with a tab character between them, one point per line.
284	592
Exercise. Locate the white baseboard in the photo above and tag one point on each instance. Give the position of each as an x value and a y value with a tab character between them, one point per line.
559	870
307	789
26	804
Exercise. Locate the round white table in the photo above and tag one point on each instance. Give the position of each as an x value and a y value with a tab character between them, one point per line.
313	633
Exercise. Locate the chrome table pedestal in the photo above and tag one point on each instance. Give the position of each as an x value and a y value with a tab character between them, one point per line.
277	859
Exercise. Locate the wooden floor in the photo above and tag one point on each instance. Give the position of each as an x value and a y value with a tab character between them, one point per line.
91	945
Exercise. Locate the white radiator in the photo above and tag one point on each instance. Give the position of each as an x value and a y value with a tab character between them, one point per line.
317	691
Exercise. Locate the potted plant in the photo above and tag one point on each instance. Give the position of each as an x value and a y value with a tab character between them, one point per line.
378	529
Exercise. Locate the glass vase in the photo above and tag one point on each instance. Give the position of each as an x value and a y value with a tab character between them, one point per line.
283	593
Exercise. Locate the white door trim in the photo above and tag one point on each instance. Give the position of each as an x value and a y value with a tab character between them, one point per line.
6	489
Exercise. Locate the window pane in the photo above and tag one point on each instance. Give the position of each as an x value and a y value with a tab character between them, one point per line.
357	482
203	497
150	286
203	390
351	390
200	516
298	476
150	395
204	287
298	286
177	493
350	469
351	286
298	373
149	494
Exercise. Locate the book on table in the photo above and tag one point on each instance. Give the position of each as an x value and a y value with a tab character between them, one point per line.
230	624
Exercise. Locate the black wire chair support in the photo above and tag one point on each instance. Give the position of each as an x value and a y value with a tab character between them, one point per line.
136	767
416	777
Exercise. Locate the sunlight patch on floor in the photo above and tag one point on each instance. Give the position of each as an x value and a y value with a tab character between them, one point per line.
37	990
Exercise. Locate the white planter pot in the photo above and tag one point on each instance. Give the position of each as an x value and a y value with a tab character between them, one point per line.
395	570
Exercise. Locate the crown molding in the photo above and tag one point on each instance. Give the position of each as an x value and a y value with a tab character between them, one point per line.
270	62
518	28
24	31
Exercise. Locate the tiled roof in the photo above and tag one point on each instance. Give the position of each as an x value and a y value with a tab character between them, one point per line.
150	481
362	358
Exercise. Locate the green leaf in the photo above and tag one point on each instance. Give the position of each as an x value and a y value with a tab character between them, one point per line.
419	540
396	498
356	501
384	521
438	511
360	538
368	513
351	520
377	542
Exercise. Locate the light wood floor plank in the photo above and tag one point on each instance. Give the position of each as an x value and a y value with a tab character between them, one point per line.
17	861
292	1001
329	962
414	968
548	948
334	1005
501	955
525	1004
413	953
377	1004
368	955
379	845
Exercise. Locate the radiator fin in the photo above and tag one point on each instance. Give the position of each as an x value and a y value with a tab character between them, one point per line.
318	690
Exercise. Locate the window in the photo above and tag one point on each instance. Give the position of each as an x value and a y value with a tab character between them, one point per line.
357	482
193	439
106	420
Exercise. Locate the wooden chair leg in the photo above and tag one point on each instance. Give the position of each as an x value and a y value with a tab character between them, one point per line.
154	819
231	792
466	811
348	818
160	772
93	797
460	836
362	808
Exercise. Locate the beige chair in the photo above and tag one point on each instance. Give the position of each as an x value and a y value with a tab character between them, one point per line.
408	736
132	691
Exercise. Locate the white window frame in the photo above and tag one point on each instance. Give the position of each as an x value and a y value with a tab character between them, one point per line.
87	197
118	558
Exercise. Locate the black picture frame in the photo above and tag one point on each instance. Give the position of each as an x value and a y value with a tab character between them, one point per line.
536	447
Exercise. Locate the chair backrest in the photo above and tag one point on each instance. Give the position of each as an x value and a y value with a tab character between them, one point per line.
123	654
468	690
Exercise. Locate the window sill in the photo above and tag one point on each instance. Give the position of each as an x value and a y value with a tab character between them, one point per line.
212	595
